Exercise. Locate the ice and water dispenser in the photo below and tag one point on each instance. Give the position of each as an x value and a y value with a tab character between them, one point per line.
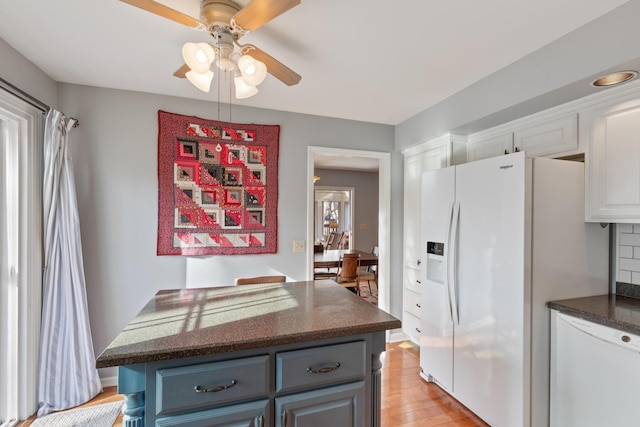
435	262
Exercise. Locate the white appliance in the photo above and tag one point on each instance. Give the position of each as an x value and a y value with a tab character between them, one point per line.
595	374
502	236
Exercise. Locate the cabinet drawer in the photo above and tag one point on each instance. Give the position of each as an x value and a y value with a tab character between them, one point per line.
411	326
412	279
222	382
412	302
320	366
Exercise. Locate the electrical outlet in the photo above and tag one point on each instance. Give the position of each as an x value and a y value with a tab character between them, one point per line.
298	245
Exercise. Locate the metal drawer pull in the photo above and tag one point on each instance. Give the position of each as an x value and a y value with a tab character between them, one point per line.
325	370
215	389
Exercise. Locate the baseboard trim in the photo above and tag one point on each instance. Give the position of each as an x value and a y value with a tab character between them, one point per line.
109	381
397	335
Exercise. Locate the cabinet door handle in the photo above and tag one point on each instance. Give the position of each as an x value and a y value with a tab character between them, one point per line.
418	282
324	370
505	151
517	149
418	305
418	330
418	262
200	389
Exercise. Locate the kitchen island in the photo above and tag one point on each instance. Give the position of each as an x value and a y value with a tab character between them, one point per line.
299	353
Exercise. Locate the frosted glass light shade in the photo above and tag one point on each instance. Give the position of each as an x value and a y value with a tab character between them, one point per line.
253	71
226	64
200	80
243	90
198	56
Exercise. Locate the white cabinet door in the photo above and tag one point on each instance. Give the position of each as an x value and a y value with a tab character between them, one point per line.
432	158
489	146
538	137
612	130
548	138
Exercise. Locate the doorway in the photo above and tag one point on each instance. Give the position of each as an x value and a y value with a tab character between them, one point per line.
382	162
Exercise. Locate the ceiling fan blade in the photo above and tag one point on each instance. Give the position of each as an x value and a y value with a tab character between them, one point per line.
165	12
259	12
274	67
182	71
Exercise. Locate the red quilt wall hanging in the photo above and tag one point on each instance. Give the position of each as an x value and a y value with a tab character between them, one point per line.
217	186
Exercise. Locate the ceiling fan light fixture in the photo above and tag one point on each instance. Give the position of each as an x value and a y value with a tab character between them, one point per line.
200	80
253	71
198	56
243	90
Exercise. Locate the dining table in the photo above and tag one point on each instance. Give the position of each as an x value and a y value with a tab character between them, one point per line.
331	258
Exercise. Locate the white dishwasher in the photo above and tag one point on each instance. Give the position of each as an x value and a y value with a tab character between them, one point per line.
595	374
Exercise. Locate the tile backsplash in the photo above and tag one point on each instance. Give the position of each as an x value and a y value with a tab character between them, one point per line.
629	253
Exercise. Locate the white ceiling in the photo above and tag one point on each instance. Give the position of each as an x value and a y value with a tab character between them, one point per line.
369	60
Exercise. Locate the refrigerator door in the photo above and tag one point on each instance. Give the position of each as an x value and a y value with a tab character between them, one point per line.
489	340
436	328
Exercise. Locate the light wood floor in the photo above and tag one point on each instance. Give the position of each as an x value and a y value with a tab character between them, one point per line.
407	400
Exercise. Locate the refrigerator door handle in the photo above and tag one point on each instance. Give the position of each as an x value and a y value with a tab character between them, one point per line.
447	277
452	261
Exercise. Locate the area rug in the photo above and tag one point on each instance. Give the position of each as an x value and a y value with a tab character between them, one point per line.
218	186
92	416
367	294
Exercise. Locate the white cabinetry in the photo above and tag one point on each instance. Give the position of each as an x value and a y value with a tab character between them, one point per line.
434	154
611	130
537	135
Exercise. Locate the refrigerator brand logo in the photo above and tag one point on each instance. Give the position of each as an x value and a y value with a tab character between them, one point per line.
504	167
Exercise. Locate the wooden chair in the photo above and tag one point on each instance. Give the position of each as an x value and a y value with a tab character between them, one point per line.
370	273
334	240
349	272
260	280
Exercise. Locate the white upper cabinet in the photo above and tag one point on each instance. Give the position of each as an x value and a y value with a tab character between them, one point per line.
611	130
538	135
548	138
483	146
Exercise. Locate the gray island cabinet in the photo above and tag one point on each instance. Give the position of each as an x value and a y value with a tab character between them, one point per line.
304	354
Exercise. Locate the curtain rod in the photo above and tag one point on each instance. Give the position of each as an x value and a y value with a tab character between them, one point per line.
24	96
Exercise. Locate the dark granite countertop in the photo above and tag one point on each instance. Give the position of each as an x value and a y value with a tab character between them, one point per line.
615	311
196	322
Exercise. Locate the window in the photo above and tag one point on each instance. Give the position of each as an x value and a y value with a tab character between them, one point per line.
333	213
21	133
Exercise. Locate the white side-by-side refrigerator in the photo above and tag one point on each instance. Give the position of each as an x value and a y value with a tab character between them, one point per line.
501	237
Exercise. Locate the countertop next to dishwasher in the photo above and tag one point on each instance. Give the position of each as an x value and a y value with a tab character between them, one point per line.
614	311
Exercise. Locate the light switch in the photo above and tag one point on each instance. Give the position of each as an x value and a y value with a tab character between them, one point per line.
363	226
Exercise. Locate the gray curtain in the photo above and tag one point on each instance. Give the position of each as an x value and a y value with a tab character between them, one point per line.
67	373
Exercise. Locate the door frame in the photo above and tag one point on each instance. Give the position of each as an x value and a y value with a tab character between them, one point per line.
384	212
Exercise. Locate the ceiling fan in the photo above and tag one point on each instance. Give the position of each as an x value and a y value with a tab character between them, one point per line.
226	22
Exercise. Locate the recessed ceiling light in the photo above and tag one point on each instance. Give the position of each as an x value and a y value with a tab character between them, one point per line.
614	78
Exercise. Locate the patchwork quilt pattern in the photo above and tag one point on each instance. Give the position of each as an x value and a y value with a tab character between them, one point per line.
218	186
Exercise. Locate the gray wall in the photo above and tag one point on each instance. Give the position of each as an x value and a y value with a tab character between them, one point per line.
21	73
556	73
366	202
115	160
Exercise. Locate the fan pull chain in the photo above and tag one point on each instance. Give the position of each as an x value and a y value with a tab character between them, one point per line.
218	73
230	100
